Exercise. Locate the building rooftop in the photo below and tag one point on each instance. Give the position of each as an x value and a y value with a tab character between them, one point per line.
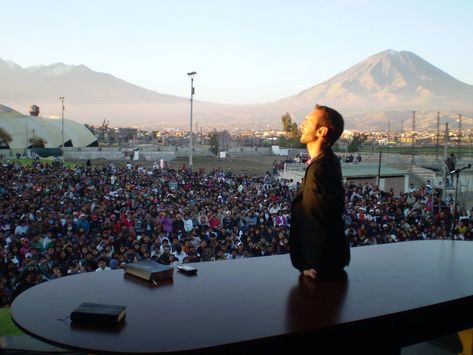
361	170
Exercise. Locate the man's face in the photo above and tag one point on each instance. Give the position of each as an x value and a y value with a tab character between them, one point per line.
308	127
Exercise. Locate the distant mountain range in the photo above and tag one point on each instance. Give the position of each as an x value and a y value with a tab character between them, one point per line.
386	86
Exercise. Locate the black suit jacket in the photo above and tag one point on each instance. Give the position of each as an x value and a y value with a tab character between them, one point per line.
317	239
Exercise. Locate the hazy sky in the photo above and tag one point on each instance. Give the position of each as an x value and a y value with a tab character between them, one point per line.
244	51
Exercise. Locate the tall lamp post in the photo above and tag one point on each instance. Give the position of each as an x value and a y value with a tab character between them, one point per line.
26	136
191	74
62	128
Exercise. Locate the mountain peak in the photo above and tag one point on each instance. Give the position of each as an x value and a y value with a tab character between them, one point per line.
389	52
393	53
9	64
390	80
55	69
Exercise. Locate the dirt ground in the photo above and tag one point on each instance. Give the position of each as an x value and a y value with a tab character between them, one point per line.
253	165
246	165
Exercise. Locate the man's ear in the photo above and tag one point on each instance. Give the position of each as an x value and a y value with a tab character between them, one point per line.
322	131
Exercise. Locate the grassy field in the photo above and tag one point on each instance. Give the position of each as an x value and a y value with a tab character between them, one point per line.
246	165
6	324
28	162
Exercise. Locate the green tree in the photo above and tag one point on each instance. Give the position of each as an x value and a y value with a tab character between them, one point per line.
103	131
356	142
37	142
5	137
286	121
289	126
213	143
292	136
282	140
294	133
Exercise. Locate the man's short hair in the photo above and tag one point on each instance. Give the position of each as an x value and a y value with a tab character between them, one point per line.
333	120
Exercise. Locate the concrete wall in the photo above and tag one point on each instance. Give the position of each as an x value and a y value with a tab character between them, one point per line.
155	153
116	154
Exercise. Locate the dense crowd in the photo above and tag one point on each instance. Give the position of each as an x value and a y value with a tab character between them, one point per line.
57	221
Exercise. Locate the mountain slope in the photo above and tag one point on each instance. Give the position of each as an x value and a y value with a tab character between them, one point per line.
386	86
389	80
78	82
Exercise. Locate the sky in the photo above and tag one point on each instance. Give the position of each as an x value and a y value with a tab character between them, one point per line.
244	51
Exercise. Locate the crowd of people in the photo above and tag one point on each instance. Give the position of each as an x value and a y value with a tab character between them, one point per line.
57	221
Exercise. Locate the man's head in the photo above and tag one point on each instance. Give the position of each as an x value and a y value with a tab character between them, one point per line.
323	122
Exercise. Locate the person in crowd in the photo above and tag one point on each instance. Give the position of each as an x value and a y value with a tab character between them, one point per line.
41	208
450	164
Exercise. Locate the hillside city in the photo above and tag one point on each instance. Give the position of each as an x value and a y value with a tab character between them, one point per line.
265	138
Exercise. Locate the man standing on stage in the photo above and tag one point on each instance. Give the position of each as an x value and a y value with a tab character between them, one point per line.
318	245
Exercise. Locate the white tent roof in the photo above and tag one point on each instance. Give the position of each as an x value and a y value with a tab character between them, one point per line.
22	128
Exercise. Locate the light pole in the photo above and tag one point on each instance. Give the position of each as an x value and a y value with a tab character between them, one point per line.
413	137
191	74
26	136
62	128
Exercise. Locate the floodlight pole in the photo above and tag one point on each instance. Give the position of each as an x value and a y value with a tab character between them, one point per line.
62	128
26	136
191	74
